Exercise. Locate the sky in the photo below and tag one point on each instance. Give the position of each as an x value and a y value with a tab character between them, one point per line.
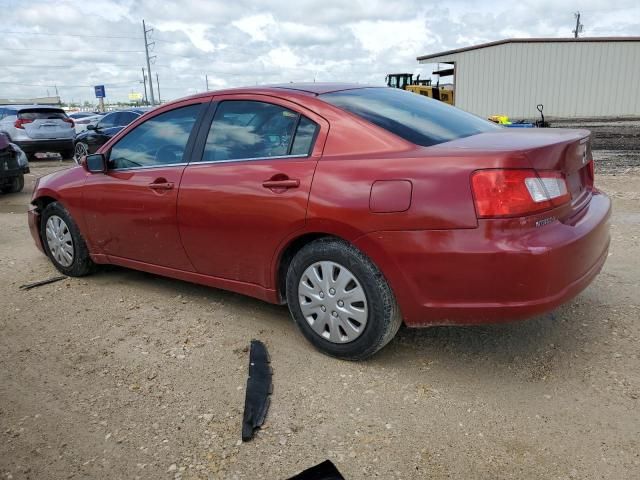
73	45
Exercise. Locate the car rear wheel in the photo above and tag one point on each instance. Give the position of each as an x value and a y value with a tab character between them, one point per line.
340	300
15	185
63	242
80	150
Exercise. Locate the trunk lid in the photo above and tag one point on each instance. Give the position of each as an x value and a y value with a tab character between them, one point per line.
557	149
46	123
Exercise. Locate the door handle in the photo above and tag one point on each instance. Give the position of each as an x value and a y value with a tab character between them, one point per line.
161	186
284	183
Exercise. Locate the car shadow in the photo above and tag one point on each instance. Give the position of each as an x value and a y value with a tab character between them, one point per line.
188	291
530	350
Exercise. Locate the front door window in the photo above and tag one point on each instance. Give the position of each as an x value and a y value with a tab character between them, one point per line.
159	141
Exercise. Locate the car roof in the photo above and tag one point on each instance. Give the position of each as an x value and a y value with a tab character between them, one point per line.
319	88
138	110
304	88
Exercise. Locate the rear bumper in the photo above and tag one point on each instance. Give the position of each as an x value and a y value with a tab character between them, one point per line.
493	273
35	146
33	218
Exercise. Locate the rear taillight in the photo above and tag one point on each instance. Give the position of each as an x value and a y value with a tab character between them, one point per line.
68	120
21	121
512	193
591	174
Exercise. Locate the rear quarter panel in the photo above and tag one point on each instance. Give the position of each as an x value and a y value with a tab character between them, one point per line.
441	192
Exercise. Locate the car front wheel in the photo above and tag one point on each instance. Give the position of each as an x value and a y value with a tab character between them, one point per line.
63	242
340	300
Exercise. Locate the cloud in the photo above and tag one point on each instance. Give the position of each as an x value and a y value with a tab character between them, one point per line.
73	46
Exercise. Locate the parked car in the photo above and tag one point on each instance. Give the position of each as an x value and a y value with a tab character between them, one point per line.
13	166
38	128
96	135
83	119
360	207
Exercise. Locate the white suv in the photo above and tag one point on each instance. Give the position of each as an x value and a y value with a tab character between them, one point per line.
38	128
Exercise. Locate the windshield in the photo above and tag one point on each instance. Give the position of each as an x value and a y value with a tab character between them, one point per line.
416	118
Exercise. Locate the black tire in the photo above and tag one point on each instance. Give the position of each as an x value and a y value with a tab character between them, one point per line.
383	318
81	264
16	185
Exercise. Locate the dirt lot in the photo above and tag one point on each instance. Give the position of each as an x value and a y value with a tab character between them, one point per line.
128	375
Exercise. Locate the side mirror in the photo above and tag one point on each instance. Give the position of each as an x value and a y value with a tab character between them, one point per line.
96	163
92	127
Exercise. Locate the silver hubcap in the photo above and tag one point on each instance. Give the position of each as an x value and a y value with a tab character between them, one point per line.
80	151
59	240
333	302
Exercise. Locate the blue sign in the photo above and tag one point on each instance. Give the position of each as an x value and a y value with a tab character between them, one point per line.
100	91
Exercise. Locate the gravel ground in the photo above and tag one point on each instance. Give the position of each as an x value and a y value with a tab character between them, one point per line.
128	375
616	144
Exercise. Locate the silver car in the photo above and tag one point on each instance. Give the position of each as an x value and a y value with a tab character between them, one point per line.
38	128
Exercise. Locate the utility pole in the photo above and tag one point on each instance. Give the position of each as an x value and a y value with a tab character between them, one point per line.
579	26
146	49
144	80
158	83
206	81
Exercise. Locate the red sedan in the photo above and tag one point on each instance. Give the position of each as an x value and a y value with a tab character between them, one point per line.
359	207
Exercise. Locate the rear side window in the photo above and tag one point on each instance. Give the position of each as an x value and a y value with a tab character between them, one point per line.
41	114
243	129
125	118
415	118
108	121
305	136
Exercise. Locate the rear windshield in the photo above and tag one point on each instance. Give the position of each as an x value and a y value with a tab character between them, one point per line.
41	114
416	118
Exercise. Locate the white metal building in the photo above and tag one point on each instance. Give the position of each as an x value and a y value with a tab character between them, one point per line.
572	78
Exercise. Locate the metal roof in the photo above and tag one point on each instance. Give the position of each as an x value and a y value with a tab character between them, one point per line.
14	106
530	40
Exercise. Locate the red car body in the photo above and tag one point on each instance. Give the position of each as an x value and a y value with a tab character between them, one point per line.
409	208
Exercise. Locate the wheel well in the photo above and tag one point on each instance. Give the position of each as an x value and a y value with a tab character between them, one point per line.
42	202
285	260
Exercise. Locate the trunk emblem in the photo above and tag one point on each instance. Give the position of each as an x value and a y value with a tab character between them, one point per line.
545	221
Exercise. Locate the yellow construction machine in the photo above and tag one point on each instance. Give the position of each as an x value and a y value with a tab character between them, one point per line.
405	81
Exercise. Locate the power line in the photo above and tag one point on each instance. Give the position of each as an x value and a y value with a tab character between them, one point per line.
78	36
110	85
69	35
73	65
190	57
71	50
